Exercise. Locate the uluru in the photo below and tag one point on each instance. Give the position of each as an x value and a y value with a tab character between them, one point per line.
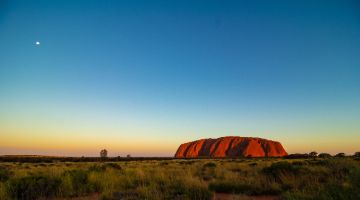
231	146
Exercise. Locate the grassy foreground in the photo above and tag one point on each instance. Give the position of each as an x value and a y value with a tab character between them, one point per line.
329	178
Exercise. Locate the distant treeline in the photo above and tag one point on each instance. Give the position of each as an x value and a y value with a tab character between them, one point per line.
51	159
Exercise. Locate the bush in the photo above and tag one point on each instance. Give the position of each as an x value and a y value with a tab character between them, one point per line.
4	174
325	162
198	193
33	187
357	154
242	188
209	164
324	155
163	163
113	166
297	156
231	187
299	163
97	168
278	168
252	164
340	155
76	182
187	162
313	154
207	172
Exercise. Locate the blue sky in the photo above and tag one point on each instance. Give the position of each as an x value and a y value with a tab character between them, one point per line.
142	77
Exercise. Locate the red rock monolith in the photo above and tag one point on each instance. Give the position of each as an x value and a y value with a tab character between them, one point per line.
231	146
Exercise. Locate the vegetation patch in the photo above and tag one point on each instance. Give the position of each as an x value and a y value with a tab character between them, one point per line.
233	187
298	179
33	187
209	164
5	174
283	167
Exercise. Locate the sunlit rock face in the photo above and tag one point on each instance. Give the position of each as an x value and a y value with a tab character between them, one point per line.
231	146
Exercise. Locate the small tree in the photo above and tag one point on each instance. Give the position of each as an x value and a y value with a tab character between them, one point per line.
103	154
340	155
357	154
324	155
128	156
313	154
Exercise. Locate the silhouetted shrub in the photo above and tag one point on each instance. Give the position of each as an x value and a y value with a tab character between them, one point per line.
324	155
340	155
103	154
297	156
357	154
33	187
313	154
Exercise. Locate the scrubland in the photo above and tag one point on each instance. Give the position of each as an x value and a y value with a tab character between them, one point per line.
320	178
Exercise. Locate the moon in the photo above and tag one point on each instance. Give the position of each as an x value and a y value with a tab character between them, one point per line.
37	43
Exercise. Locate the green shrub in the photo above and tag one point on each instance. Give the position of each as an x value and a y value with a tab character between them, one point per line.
325	162
198	193
113	166
282	167
299	163
128	195
97	168
4	174
163	163
231	187
33	187
76	182
243	188
187	162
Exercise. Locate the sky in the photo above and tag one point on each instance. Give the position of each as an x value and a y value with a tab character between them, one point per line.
142	77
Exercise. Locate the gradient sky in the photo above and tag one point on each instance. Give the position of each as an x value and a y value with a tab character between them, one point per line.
142	77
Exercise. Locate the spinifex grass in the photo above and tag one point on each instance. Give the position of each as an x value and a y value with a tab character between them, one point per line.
328	178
